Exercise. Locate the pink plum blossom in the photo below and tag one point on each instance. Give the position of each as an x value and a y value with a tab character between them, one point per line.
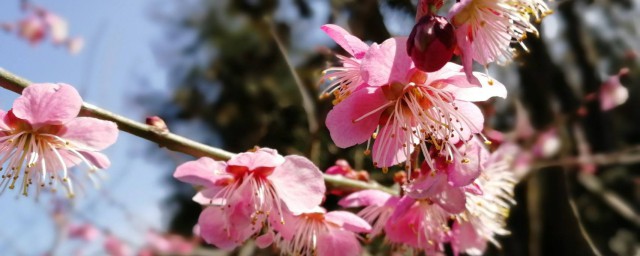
41	137
116	247
547	144
167	244
487	208
57	26
486	28
86	232
32	29
248	190
75	45
403	107
444	184
321	233
378	207
426	223
40	23
612	93
419	224
346	78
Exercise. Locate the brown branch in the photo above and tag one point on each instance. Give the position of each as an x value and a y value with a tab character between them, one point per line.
169	140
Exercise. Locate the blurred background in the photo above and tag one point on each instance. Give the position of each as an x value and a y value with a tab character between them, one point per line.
213	71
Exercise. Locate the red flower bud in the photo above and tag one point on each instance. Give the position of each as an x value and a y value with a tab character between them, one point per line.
431	43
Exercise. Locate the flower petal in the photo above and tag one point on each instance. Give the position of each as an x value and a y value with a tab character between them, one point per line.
348	221
42	104
208	195
299	184
387	62
339	243
402	207
465	91
465	239
261	158
96	158
392	146
473	121
427	185
57	27
365	198
224	227
265	240
353	120
4	125
202	172
452	199
353	45
464	171
90	133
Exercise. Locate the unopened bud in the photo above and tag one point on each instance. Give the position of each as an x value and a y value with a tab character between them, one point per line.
431	43
157	124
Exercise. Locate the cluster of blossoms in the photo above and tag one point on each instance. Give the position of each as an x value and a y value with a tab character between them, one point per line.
155	243
40	23
418	108
42	137
274	198
438	209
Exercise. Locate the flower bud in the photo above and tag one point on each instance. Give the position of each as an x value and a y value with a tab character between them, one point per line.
431	43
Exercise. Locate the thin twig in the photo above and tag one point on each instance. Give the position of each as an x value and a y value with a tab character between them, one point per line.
583	151
626	156
169	140
593	184
307	101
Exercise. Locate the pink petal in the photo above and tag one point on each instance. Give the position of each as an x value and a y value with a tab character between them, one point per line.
613	98
286	224
298	183
402	207
465	239
115	247
427	185
348	221
389	148
348	42
464	173
387	62
75	45
208	196
353	120
466	53
91	133
227	227
86	232
96	158
265	240
32	29
42	104
452	199
365	198
473	124
4	125
202	172
57	27
261	158
71	159
338	242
